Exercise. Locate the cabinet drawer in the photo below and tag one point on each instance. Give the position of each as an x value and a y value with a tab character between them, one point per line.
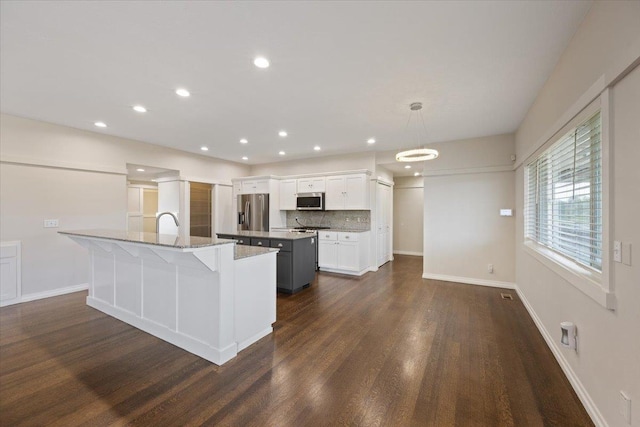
255	241
239	240
283	245
348	237
327	235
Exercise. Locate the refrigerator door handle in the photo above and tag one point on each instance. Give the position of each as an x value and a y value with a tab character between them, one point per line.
247	214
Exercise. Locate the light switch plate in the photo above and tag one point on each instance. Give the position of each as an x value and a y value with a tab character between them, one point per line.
617	251
50	223
626	253
506	212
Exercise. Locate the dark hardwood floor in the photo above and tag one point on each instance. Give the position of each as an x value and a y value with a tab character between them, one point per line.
388	348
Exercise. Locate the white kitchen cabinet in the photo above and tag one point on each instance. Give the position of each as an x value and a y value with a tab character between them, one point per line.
288	194
342	252
258	186
384	209
312	185
347	192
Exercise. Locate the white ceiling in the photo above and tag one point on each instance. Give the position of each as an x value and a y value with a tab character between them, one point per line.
341	72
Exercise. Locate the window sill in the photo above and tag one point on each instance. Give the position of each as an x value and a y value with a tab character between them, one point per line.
586	280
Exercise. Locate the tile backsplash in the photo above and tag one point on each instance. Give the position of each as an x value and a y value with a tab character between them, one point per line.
345	220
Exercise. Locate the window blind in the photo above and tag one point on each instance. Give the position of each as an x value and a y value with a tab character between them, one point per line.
563	204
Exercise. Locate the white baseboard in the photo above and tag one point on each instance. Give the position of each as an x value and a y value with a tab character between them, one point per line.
580	390
470	280
408	253
46	294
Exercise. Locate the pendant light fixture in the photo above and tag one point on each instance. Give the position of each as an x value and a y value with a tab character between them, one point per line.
417	154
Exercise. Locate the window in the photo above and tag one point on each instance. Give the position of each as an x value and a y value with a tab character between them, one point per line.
563	202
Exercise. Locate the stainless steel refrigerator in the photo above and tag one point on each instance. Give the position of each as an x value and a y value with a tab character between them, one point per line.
253	212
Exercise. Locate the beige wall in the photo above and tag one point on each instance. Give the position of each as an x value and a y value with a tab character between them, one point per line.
463	231
464	189
32	141
78	177
318	165
609	341
408	211
78	199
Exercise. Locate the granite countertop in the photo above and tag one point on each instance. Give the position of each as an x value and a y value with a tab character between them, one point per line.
346	230
285	235
166	240
244	251
339	230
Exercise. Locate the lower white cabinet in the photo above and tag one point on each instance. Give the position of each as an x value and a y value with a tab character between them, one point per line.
343	252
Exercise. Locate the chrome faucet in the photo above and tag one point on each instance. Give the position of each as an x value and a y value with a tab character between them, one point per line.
158	216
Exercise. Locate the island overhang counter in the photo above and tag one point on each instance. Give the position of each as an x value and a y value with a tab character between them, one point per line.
204	295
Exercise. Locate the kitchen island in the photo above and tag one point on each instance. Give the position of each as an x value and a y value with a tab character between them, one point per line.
205	295
296	259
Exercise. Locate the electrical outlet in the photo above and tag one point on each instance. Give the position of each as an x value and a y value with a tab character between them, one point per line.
50	223
490	268
625	406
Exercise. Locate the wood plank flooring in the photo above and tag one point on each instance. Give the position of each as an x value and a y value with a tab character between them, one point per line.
385	349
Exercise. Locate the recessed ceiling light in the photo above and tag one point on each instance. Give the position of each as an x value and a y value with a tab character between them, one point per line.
407	167
243	141
261	62
282	153
245	158
140	170
283	133
182	92
101	124
139	109
317	148
204	148
416	174
371	141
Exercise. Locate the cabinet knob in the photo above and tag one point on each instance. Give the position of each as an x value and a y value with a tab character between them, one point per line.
346	237
279	245
259	243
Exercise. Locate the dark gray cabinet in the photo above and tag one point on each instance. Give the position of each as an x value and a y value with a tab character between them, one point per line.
241	240
259	241
296	259
296	263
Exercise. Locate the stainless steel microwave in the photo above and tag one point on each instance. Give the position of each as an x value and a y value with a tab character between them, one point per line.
310	202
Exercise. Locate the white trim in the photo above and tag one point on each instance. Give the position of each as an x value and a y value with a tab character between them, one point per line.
347	272
469	280
185	342
252	339
608	190
58	164
463	171
580	390
17	244
47	294
592	93
582	278
412	253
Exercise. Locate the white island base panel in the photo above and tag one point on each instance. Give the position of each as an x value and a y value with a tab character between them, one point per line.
199	299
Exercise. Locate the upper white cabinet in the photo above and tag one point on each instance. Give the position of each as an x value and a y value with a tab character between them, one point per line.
347	192
288	194
255	186
312	185
250	186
